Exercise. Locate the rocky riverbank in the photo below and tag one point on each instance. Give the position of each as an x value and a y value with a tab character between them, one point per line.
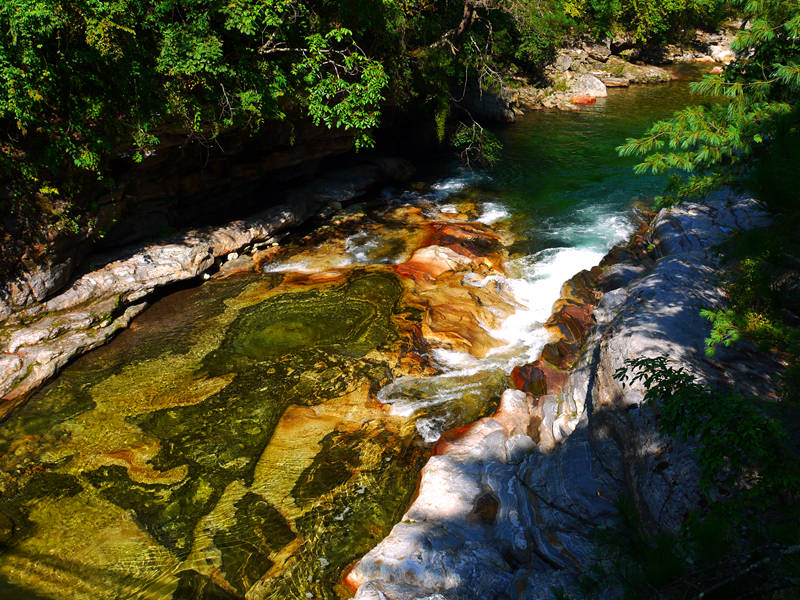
510	505
51	315
45	326
585	69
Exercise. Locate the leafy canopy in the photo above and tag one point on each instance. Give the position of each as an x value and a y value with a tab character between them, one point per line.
81	79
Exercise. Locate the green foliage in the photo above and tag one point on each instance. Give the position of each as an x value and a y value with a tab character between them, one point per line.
476	145
80	79
541	27
718	142
647	20
88	87
745	542
739	445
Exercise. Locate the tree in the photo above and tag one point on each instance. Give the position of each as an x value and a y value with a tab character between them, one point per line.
718	142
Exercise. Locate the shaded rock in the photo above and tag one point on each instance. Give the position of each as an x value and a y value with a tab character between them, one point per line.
599	52
493	106
563	62
530	522
619	275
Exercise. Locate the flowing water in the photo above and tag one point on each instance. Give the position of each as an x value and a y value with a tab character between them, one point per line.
253	436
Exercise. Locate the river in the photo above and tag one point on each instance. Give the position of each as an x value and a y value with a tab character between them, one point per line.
254	435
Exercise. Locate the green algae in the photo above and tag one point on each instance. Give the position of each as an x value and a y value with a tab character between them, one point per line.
351	320
110	434
194	586
258	529
357	515
335	463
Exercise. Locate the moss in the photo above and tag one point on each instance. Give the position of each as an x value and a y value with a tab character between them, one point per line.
334	465
15	507
356	516
167	512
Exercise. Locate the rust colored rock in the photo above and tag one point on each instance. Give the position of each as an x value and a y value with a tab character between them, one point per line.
434	260
581	99
449	438
582	287
538	378
571	321
561	353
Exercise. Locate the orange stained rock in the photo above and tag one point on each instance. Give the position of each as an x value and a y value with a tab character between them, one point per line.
450	438
571	321
433	261
267	255
582	99
447	232
456	315
136	459
539	378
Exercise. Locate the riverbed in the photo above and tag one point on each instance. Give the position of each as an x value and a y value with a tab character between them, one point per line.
255	435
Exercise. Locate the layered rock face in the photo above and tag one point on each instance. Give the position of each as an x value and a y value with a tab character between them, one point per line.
509	506
43	332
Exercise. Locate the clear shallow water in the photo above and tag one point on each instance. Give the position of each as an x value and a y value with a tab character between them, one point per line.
232	442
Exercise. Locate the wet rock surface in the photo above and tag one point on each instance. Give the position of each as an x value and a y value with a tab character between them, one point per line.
509	505
38	340
231	443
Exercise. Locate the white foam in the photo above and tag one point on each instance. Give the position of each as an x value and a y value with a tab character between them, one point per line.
534	283
430	429
597	228
492	212
449	186
360	245
298	266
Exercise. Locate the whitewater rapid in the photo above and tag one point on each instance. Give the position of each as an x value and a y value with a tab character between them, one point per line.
532	283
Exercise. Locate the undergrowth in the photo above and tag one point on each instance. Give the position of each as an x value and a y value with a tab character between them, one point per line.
744	539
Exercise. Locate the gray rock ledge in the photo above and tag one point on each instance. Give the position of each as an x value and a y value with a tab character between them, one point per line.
509	509
41	335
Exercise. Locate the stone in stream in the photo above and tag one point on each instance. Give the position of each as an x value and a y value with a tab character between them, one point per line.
483	525
583	99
